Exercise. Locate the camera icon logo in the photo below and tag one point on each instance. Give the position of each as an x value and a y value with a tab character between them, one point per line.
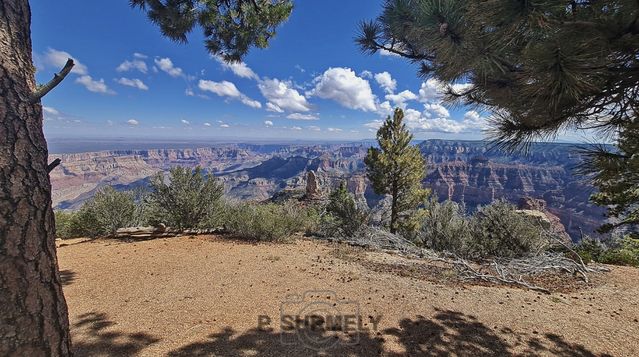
319	321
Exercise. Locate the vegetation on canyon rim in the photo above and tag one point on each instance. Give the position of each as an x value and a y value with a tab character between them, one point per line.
539	66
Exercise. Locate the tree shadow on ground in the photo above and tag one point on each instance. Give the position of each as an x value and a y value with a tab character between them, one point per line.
67	277
446	333
93	338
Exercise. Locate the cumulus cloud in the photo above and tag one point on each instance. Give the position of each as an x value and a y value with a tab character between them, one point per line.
334	130
133	122
346	88
296	128
207	124
97	86
273	108
139	55
136	64
282	96
401	98
268	123
240	69
300	116
436	111
57	59
474	120
224	126
227	89
132	82
166	65
314	128
433	90
250	102
385	81
185	122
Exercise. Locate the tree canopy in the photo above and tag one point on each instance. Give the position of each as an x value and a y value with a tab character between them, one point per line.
231	27
397	168
540	66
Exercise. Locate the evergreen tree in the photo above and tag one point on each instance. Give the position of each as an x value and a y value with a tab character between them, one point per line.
231	27
342	208
616	175
397	169
540	66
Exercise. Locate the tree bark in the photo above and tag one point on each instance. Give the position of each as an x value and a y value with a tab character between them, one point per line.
33	312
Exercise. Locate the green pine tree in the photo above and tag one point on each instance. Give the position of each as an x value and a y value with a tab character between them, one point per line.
616	174
540	66
231	27
397	169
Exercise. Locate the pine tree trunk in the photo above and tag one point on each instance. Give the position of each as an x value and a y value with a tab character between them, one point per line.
33	312
394	213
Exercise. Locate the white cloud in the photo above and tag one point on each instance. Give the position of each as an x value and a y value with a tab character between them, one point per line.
57	59
300	116
335	130
346	88
433	90
207	124
133	82
366	74
185	122
97	86
139	55
273	108
250	102
314	128
224	126
282	96
133	122
400	98
387	82
268	123
130	65
227	89
474	121
166	65
240	69
296	128
189	92
436	111
50	110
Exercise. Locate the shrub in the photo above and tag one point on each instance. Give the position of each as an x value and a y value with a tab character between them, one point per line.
102	215
625	252
498	230
64	222
343	217
267	222
187	200
590	250
445	227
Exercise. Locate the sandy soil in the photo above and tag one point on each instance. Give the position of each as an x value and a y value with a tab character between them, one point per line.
203	296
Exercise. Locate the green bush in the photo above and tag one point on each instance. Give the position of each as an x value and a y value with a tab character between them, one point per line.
590	250
343	217
624	252
445	227
188	199
498	230
102	215
267	222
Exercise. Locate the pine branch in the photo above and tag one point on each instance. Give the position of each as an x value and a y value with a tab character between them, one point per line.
57	79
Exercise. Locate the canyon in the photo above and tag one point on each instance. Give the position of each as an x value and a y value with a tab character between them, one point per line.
463	171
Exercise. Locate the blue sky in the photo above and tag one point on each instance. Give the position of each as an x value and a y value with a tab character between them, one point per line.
312	83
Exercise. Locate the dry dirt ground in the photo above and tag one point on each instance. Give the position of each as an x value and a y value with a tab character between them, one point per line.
203	296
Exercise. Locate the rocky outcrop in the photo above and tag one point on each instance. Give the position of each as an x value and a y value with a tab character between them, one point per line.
313	191
555	226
